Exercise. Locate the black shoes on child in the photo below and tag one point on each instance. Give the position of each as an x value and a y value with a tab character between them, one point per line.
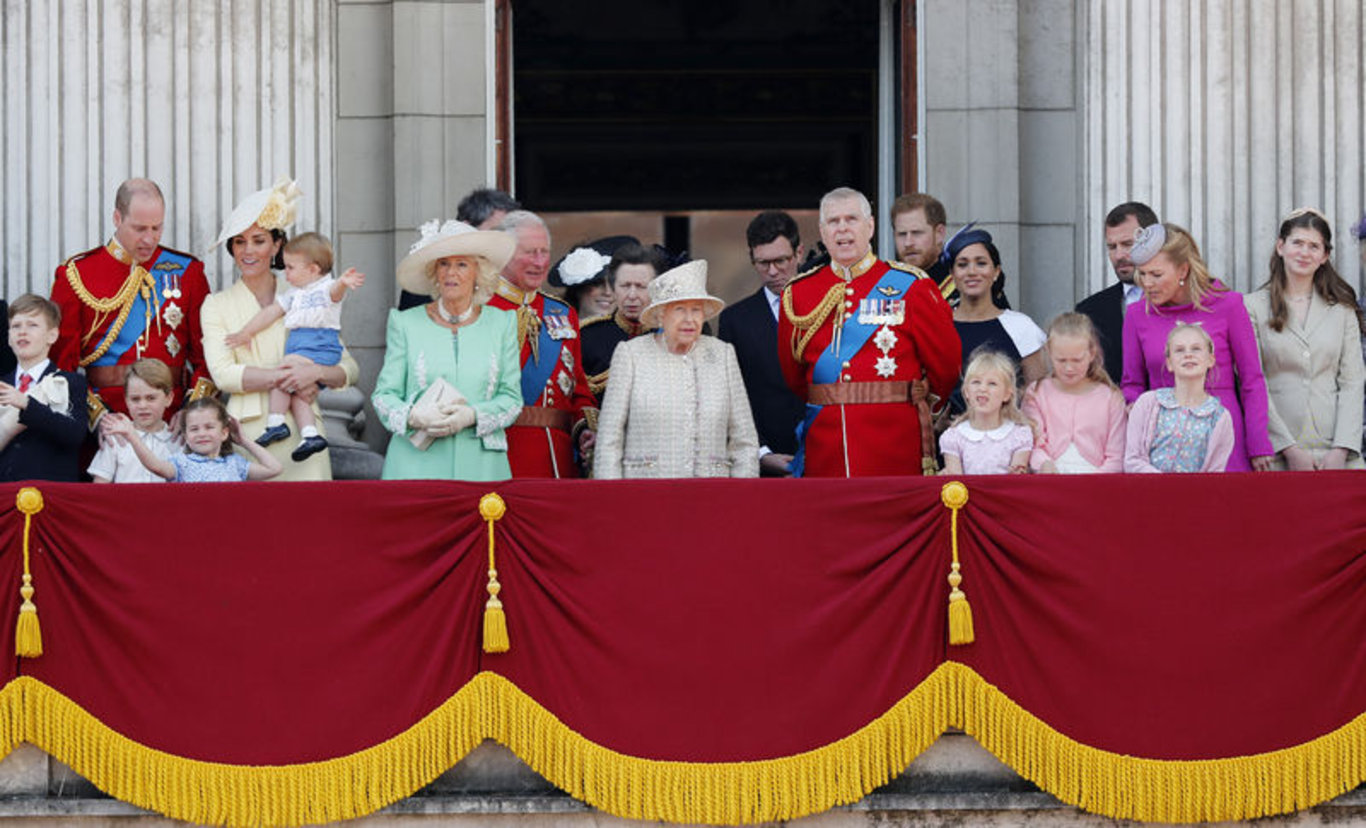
273	434
307	447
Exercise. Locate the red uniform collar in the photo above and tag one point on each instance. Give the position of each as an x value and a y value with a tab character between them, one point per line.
859	268
113	248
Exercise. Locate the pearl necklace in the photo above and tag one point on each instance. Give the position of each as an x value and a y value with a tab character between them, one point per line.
454	319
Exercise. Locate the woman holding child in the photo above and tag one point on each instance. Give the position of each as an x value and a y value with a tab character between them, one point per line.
255	237
451	381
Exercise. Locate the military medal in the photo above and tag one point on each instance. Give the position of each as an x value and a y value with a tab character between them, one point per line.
170	287
566	383
567	358
173	314
558	326
172	345
881	311
885	366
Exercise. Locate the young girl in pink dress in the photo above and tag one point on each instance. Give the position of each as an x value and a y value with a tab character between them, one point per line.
992	436
1183	428
1078	414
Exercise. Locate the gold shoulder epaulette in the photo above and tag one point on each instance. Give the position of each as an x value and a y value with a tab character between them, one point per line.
907	268
203	387
593	320
79	256
806	273
192	257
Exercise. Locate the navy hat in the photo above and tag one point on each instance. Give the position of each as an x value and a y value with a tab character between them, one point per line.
967	237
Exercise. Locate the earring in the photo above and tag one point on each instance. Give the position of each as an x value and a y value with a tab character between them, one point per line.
1183	283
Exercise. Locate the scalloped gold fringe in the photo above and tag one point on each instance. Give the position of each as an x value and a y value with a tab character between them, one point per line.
787	787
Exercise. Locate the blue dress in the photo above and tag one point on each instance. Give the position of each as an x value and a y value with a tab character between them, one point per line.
196	468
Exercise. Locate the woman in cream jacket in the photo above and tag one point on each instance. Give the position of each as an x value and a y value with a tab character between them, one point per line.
675	404
1309	332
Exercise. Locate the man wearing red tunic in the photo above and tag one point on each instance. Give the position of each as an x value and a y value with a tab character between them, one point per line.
558	410
131	298
854	337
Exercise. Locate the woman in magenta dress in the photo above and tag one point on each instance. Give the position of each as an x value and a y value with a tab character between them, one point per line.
1178	287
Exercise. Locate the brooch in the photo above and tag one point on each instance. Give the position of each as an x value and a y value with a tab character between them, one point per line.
173	315
172	345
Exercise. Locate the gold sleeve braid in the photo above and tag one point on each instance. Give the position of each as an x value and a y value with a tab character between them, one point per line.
138	280
805	327
529	326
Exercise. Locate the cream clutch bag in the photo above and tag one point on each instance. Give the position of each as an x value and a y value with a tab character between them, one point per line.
429	405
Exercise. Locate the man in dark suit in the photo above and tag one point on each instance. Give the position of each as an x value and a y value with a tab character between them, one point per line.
1107	307
751	326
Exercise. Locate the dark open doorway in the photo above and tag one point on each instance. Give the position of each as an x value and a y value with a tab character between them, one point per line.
678	105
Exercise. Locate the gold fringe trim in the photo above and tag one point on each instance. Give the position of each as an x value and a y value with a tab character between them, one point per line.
1157	790
220	794
788	787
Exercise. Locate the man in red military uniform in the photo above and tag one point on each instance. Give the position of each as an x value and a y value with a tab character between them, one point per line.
131	298
558	410
855	337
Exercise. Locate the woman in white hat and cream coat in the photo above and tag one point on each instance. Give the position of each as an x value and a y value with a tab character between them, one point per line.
676	404
255	234
451	381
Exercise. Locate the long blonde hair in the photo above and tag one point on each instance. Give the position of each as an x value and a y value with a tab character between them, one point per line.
1080	325
985	360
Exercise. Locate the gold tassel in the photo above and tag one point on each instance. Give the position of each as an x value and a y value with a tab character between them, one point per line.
28	635
491	508
955	496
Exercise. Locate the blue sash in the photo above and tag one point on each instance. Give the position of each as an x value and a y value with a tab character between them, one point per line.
853	336
536	371
166	269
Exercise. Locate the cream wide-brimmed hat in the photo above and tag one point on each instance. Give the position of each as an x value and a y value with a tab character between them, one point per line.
273	208
493	248
687	282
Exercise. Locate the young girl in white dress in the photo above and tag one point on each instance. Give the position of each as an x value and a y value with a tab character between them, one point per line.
992	436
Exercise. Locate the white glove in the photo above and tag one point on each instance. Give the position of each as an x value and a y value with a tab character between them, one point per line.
463	417
458	418
420	420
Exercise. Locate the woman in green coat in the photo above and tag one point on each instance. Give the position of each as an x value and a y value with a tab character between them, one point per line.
451	381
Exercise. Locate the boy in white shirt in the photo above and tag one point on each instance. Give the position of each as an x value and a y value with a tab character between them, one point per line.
148	393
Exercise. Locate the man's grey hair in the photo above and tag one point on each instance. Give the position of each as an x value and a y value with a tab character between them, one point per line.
844	193
520	218
123	198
